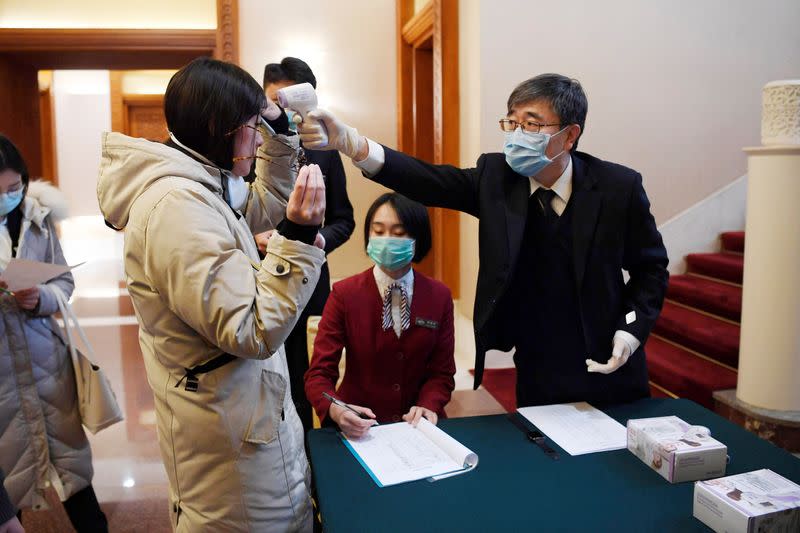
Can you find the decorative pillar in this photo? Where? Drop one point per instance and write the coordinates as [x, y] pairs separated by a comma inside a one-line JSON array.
[[769, 357], [767, 398]]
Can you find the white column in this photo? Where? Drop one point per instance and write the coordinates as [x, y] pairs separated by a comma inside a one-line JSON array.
[[769, 357]]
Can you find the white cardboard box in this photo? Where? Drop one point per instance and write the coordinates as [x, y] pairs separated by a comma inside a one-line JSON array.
[[677, 450], [748, 503]]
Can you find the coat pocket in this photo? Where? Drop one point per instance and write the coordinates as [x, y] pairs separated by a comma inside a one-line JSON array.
[[268, 411]]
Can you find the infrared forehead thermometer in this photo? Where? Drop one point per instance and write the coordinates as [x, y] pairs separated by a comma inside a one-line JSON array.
[[300, 98]]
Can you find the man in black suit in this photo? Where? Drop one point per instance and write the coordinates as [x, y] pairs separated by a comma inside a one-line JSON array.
[[557, 228], [337, 227]]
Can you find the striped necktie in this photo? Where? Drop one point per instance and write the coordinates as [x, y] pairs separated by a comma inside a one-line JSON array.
[[405, 312]]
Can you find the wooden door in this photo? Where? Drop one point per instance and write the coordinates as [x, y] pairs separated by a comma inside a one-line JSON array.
[[427, 116], [47, 132], [143, 116]]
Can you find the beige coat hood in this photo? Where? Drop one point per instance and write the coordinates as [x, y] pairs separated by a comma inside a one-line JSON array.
[[130, 165]]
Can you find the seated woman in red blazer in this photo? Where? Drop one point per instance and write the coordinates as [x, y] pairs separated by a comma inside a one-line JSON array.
[[396, 325]]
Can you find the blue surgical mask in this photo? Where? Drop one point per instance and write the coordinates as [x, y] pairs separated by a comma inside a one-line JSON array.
[[525, 152], [9, 201], [391, 253]]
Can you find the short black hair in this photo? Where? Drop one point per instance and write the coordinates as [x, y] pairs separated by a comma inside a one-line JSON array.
[[565, 95], [414, 217], [11, 159], [289, 69], [205, 101]]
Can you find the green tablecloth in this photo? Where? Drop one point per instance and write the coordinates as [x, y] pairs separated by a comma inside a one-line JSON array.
[[516, 487]]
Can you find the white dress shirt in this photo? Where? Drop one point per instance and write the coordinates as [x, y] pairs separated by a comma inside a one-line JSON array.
[[384, 281], [373, 164], [5, 244], [562, 187]]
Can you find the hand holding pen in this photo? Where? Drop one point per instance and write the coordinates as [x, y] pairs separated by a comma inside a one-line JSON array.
[[353, 420], [4, 289]]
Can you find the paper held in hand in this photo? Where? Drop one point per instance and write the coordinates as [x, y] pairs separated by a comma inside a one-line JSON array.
[[577, 427], [24, 274], [397, 453]]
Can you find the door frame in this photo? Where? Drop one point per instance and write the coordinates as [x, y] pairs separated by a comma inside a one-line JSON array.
[[435, 25], [24, 52]]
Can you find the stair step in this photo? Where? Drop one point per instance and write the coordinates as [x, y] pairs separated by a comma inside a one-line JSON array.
[[733, 241], [658, 392], [684, 374], [727, 267], [704, 334], [707, 295]]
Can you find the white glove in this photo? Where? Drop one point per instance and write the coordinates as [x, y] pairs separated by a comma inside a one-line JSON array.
[[620, 353], [272, 111], [322, 131]]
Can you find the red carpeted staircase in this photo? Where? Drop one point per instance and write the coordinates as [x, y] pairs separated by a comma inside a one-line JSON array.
[[694, 347]]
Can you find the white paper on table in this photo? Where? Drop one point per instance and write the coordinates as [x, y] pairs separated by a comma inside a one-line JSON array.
[[24, 274], [577, 427], [397, 453]]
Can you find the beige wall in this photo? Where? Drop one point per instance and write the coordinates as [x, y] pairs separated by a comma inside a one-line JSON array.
[[146, 81], [350, 45], [190, 14], [82, 113], [470, 140], [674, 87]]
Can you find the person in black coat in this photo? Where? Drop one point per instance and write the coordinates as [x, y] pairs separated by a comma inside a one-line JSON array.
[[337, 228], [557, 229]]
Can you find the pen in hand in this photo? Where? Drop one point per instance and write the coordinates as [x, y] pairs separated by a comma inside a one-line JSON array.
[[343, 405], [10, 293]]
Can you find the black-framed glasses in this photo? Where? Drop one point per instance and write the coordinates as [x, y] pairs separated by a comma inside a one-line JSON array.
[[528, 126]]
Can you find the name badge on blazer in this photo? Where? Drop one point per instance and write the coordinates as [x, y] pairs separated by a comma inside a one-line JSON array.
[[425, 323]]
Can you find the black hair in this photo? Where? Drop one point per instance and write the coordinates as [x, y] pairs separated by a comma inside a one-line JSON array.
[[11, 159], [565, 95], [208, 99], [414, 217], [289, 69]]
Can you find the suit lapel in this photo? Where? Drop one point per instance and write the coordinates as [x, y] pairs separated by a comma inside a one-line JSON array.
[[586, 202], [517, 191]]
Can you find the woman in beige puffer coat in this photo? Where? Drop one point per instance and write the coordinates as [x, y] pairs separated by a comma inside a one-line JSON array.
[[213, 316], [42, 442]]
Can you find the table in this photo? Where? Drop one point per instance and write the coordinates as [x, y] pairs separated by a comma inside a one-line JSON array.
[[516, 487]]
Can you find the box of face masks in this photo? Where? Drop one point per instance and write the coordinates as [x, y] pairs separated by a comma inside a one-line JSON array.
[[747, 503], [676, 450]]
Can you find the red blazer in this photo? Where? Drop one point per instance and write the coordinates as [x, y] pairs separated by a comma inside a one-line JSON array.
[[386, 374]]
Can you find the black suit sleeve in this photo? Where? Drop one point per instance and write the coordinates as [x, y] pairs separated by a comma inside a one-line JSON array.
[[645, 259], [7, 511], [339, 222], [432, 185]]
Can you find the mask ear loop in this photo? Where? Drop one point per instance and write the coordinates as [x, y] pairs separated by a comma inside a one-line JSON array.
[[563, 151]]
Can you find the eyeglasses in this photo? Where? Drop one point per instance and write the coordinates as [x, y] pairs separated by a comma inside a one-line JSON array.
[[529, 126], [15, 188], [300, 161], [245, 125]]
